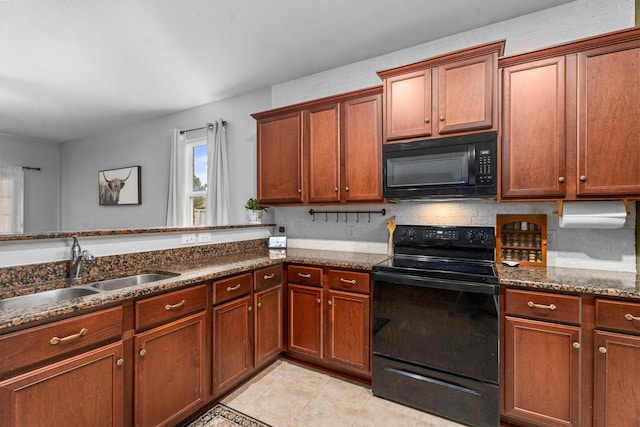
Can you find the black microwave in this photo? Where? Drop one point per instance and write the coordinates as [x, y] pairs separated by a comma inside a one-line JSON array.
[[452, 167]]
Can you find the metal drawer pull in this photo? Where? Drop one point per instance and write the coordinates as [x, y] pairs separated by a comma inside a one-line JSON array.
[[259, 304], [602, 350], [175, 306], [631, 317], [305, 276], [542, 307], [576, 345], [56, 340], [269, 276], [235, 288], [120, 362], [348, 282]]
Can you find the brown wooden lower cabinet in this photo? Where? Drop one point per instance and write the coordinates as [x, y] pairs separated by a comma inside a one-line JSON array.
[[83, 390], [542, 372], [232, 332], [329, 321], [267, 325], [170, 367]]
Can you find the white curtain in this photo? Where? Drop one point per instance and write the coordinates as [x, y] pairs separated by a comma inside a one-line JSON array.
[[177, 208], [218, 200], [11, 199]]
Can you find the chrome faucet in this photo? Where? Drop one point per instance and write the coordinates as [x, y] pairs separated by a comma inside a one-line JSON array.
[[77, 256]]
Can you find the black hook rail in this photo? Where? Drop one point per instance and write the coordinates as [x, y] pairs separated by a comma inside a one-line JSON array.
[[346, 214]]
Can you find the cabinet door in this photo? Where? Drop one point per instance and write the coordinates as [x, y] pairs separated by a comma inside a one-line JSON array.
[[362, 146], [280, 159], [542, 372], [466, 94], [617, 380], [323, 146], [608, 125], [170, 371], [408, 105], [232, 332], [85, 390], [348, 337], [268, 324], [305, 320], [533, 129]]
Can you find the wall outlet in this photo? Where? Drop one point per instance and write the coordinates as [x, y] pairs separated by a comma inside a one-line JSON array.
[[188, 239], [204, 237]]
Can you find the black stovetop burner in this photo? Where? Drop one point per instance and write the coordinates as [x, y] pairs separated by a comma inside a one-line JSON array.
[[454, 252]]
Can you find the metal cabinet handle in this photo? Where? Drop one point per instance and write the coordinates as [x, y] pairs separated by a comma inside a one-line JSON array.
[[250, 308], [602, 350], [631, 317], [143, 352], [269, 276], [235, 288], [318, 300], [576, 345], [348, 282], [170, 307], [335, 189], [346, 188], [427, 119], [120, 362], [56, 340], [542, 307], [299, 190], [304, 276], [583, 178], [329, 302], [442, 118], [561, 179], [259, 304]]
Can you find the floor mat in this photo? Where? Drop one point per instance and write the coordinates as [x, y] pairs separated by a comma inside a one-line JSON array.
[[224, 416]]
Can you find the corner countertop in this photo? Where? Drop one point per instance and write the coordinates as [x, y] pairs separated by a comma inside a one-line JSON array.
[[15, 319], [593, 282]]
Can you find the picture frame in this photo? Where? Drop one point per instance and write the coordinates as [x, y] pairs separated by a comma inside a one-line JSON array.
[[118, 187]]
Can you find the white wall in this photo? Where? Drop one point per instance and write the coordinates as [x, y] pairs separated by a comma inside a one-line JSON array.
[[595, 249], [147, 144], [41, 187]]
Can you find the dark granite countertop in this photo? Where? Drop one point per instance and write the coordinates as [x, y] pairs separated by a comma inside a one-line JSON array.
[[593, 282], [221, 266]]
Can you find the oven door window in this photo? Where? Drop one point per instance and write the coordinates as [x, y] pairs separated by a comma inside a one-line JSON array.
[[447, 330], [423, 168]]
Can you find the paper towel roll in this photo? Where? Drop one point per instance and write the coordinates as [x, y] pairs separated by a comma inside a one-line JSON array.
[[593, 214]]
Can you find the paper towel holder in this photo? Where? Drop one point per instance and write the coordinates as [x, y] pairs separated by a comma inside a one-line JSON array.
[[560, 204]]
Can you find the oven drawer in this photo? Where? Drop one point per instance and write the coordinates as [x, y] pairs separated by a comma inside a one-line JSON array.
[[304, 275], [618, 315], [349, 281], [543, 306]]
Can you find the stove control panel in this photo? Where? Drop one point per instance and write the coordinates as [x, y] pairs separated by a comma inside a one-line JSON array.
[[444, 235]]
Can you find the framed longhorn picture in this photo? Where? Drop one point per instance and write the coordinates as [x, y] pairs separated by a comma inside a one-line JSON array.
[[120, 186]]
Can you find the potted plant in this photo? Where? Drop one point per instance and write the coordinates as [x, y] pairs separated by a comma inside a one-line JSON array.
[[255, 211]]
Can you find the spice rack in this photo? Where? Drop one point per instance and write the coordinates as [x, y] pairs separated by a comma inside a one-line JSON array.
[[522, 238]]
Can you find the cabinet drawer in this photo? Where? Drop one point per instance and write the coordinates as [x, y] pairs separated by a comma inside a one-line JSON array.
[[233, 287], [544, 306], [164, 308], [349, 281], [619, 315], [267, 277], [304, 275], [34, 345]]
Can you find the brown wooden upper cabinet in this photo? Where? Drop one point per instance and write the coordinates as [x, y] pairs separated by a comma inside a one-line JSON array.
[[322, 151], [570, 120], [452, 94]]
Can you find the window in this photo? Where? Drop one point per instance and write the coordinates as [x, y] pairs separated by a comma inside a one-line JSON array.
[[197, 179], [11, 199]]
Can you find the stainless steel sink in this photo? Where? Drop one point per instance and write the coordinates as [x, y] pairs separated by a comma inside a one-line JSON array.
[[48, 297], [126, 282]]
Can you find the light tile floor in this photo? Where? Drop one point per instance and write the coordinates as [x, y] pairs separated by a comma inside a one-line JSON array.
[[288, 395]]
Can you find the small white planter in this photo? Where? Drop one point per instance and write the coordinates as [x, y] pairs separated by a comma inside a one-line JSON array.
[[255, 217]]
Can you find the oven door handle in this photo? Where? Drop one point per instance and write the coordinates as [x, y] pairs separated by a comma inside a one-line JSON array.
[[430, 282]]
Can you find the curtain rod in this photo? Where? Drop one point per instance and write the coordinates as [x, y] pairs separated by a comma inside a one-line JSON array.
[[27, 168], [182, 132]]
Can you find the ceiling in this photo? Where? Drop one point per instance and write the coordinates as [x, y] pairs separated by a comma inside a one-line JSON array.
[[73, 68]]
